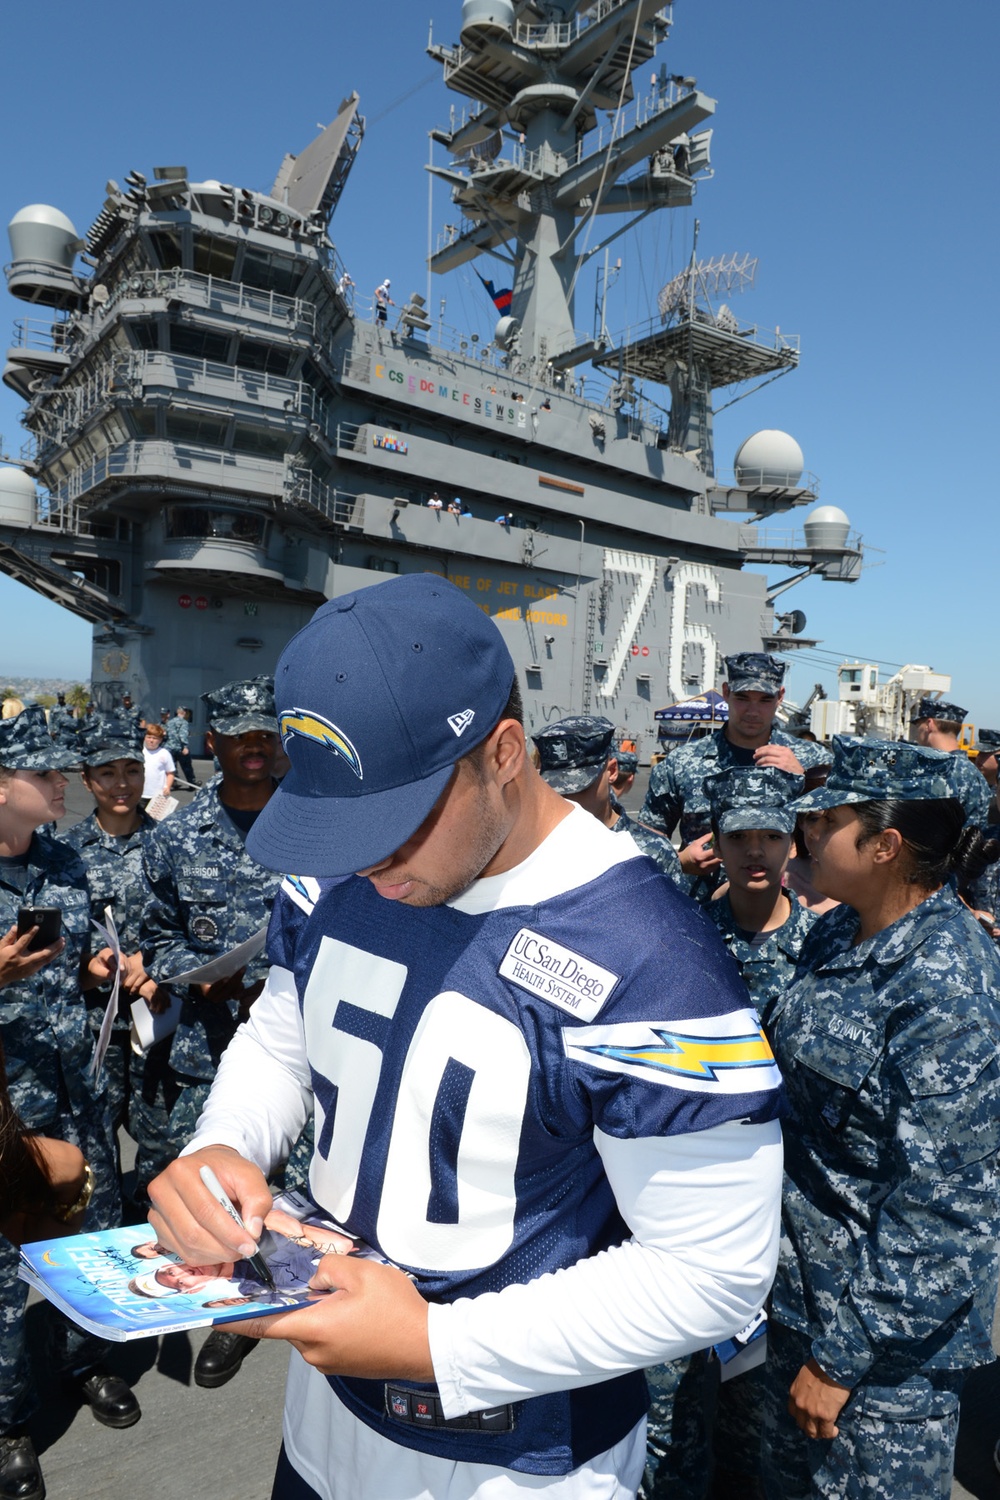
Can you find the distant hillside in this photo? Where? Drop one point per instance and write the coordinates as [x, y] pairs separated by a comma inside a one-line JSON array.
[[28, 688]]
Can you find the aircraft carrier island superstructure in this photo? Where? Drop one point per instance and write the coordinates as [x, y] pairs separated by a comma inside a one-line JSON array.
[[221, 438]]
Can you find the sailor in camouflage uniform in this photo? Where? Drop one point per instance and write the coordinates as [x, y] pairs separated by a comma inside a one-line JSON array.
[[577, 759], [888, 1042], [752, 821], [63, 724], [744, 800], [205, 896], [676, 793], [43, 1027], [938, 726], [110, 843]]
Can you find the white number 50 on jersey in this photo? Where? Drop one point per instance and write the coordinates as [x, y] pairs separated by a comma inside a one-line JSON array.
[[448, 1195]]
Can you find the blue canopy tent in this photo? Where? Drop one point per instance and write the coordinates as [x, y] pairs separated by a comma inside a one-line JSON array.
[[698, 715]]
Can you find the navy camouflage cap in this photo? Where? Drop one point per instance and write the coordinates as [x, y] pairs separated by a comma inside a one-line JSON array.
[[988, 741], [754, 672], [107, 737], [239, 707], [753, 797], [870, 770], [573, 752], [932, 708], [628, 762], [25, 744]]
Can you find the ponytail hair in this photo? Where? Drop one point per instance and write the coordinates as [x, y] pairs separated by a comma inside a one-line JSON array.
[[933, 834]]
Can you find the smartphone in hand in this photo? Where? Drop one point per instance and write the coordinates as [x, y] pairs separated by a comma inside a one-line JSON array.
[[48, 920]]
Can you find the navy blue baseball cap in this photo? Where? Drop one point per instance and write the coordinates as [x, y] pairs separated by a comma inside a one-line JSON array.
[[377, 698]]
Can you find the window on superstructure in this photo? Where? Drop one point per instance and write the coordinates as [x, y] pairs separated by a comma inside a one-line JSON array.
[[262, 357], [196, 521], [143, 421], [192, 427], [258, 440], [199, 343], [271, 273], [214, 257], [145, 334], [166, 244]]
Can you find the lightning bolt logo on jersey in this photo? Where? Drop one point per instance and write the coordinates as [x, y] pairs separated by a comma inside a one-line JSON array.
[[461, 1062], [310, 726]]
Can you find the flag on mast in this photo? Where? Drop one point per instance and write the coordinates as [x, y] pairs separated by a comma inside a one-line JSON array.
[[501, 299]]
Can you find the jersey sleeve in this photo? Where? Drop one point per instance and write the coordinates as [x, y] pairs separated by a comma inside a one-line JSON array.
[[678, 1047], [704, 1213]]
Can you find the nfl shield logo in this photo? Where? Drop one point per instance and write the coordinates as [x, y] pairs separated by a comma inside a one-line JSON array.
[[400, 1405]]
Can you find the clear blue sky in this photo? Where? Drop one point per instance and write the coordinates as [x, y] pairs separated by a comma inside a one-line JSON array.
[[855, 151]]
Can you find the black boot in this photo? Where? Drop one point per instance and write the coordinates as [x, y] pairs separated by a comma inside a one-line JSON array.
[[110, 1398], [20, 1475], [220, 1358]]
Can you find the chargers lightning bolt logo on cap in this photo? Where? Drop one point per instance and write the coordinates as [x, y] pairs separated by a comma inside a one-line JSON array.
[[314, 727]]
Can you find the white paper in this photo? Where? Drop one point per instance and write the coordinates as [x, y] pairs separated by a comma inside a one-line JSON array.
[[225, 965], [109, 932], [161, 806], [147, 1028]]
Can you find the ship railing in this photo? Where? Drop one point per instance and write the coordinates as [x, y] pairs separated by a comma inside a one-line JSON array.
[[751, 333], [42, 333], [550, 34], [642, 109], [768, 539], [158, 459], [766, 479], [303, 489], [455, 345], [563, 33], [216, 293], [292, 397]]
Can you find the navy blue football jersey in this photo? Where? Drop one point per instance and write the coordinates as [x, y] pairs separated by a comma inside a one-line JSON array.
[[461, 1062]]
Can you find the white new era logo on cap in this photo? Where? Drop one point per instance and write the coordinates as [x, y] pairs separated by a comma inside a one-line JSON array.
[[460, 722]]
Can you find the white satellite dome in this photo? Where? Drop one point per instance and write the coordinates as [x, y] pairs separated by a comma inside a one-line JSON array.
[[41, 232], [769, 457], [826, 526], [17, 497]]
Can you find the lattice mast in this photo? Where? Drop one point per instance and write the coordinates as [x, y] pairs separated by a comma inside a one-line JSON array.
[[561, 136]]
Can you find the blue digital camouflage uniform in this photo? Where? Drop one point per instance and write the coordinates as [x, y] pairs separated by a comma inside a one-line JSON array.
[[43, 1025], [114, 874], [656, 845], [679, 1449], [971, 788], [676, 791], [891, 1215], [768, 964], [63, 725], [205, 896]]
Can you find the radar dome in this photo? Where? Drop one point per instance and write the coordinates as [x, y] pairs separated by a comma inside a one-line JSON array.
[[826, 526], [769, 457], [17, 497], [483, 19], [42, 233]]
